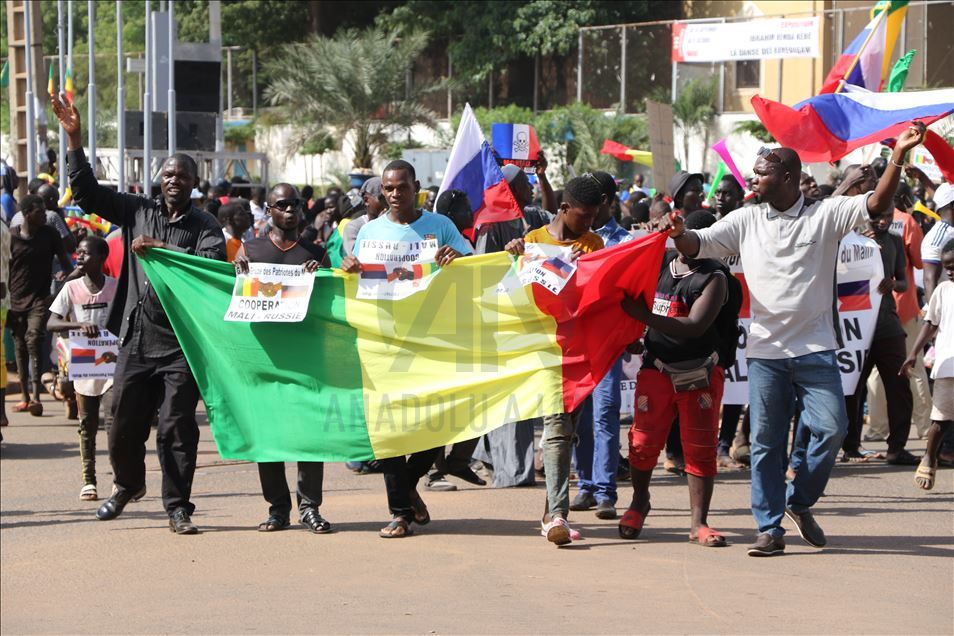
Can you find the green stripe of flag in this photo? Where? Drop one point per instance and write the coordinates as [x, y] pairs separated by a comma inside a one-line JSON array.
[[247, 379]]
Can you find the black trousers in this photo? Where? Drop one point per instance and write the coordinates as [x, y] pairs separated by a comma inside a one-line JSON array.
[[401, 475], [141, 386], [730, 426], [28, 329], [311, 476], [888, 355], [458, 459]]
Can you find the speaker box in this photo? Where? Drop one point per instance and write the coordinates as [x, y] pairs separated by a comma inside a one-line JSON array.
[[135, 134], [195, 131], [197, 86]]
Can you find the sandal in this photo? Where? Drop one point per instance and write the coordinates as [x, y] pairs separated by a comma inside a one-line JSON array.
[[708, 538], [21, 407], [88, 493], [632, 523], [924, 476], [274, 523], [421, 516], [315, 522], [397, 529]]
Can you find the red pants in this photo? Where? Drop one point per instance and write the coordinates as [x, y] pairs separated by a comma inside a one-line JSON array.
[[658, 404]]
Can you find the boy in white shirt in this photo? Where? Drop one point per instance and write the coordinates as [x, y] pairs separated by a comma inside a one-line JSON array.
[[939, 321], [83, 305]]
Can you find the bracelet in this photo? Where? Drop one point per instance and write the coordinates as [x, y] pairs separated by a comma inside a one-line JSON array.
[[899, 165]]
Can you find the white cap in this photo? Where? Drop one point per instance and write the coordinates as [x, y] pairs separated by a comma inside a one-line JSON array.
[[510, 172], [944, 195]]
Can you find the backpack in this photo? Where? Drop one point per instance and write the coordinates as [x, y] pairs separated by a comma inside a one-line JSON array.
[[727, 322]]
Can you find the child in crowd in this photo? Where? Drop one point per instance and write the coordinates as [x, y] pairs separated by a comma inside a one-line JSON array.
[[939, 321], [83, 305]]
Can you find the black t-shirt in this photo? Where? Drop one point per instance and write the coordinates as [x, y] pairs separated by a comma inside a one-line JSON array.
[[264, 250], [892, 255], [31, 266], [675, 295]]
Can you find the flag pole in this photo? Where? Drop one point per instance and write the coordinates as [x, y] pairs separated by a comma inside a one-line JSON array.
[[864, 45]]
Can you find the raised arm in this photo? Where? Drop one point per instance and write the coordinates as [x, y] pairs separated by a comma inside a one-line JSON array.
[[93, 198], [883, 197], [550, 203]]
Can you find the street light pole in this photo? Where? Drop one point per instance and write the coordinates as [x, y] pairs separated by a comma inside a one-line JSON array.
[[171, 111], [120, 100], [91, 89]]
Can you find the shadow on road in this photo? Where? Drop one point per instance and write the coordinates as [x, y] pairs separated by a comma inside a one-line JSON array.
[[54, 450]]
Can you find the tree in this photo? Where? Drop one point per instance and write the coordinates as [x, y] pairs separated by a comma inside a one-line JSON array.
[[694, 110], [755, 128], [354, 83]]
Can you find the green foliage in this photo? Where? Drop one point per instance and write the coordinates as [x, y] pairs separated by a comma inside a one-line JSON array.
[[350, 83], [695, 110], [241, 134], [394, 149], [756, 129]]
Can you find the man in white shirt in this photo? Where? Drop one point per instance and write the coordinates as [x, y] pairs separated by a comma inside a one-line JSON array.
[[788, 246], [936, 238]]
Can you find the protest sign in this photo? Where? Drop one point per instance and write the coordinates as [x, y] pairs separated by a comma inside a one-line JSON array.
[[271, 293], [858, 273], [750, 40], [551, 266], [93, 358], [392, 270], [515, 144], [659, 117]]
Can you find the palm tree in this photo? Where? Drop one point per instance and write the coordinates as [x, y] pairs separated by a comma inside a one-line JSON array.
[[694, 109], [353, 83]]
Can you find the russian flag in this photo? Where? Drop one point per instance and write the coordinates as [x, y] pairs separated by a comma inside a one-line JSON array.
[[473, 168], [83, 356], [558, 266], [373, 271], [515, 144], [827, 127], [867, 59], [854, 296]]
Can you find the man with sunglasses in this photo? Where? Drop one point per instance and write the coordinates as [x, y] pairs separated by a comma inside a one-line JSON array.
[[788, 247], [152, 373]]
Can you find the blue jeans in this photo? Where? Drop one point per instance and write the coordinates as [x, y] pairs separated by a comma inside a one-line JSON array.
[[597, 451], [774, 385]]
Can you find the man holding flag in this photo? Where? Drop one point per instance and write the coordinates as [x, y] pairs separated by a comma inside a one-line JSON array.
[[788, 247]]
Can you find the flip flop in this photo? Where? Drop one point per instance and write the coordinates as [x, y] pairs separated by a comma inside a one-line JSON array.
[[924, 477], [708, 538], [21, 407], [632, 523], [397, 529], [421, 516], [274, 523]]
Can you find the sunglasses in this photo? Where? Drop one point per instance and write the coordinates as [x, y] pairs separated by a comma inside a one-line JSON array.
[[769, 155], [285, 204]]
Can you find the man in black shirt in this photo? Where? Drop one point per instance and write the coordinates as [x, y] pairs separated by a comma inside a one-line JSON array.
[[151, 373], [888, 352], [682, 337], [33, 246], [282, 245]]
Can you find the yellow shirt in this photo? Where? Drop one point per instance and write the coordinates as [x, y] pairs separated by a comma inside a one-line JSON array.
[[589, 242]]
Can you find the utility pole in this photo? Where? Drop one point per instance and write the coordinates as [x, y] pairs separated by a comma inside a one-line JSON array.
[[147, 110], [171, 106], [61, 41], [91, 89], [120, 100]]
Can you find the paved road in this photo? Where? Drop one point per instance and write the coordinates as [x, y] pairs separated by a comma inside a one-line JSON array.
[[479, 567]]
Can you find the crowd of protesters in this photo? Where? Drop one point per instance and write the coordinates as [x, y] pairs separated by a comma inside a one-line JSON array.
[[783, 226]]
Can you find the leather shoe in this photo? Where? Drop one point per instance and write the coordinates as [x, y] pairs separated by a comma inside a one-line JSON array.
[[583, 501], [114, 505], [766, 545], [180, 523], [809, 530], [467, 475]]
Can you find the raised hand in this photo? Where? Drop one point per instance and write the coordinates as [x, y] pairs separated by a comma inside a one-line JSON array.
[[911, 137], [67, 114]]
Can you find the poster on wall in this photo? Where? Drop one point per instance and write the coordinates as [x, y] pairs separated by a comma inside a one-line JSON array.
[[750, 40]]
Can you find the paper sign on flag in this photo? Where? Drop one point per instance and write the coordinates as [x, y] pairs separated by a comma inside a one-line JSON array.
[[93, 358], [392, 270], [551, 266], [515, 144], [271, 293]]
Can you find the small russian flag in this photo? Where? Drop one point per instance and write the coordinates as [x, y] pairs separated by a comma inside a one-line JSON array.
[[373, 271], [83, 356], [558, 266], [854, 296]]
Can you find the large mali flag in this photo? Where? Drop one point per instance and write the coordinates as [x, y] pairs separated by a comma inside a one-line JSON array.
[[369, 379]]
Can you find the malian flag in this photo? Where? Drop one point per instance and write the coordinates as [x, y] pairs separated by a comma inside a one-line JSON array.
[[50, 86], [473, 169], [827, 127], [83, 356], [515, 144], [854, 295], [246, 287], [68, 89], [867, 60]]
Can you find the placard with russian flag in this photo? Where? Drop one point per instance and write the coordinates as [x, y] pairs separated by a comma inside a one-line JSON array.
[[271, 293], [857, 275], [473, 169], [515, 144], [92, 358]]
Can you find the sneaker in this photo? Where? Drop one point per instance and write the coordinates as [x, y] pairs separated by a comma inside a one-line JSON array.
[[808, 528], [557, 531], [606, 510], [873, 437], [583, 501], [767, 545], [439, 483]]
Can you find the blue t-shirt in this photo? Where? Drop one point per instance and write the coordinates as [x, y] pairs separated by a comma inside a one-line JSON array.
[[428, 226]]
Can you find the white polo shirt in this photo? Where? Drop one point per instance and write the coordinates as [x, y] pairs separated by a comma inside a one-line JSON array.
[[789, 260]]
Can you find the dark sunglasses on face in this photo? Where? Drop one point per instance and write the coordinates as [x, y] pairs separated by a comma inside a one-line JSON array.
[[284, 204], [769, 155]]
